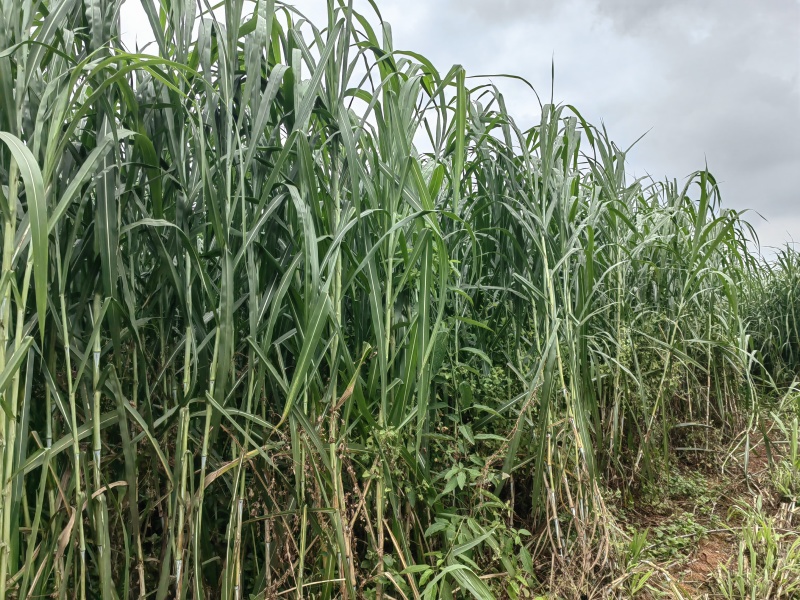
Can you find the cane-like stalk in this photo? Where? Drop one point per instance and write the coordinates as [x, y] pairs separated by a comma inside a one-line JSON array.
[[350, 328]]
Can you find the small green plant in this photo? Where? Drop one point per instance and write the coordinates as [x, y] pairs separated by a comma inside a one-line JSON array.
[[786, 477], [674, 539], [637, 573], [767, 561]]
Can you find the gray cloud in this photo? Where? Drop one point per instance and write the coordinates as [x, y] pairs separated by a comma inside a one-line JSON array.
[[732, 94], [715, 80]]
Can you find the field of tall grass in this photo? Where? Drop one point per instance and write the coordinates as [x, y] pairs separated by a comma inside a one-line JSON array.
[[288, 313]]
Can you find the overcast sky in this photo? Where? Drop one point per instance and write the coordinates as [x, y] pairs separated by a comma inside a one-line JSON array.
[[709, 80]]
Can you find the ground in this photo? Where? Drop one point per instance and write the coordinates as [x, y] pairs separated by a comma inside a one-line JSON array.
[[719, 523]]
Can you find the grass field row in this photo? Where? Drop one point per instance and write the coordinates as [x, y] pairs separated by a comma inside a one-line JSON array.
[[286, 312]]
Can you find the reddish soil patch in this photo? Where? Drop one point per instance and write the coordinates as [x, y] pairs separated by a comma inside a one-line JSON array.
[[712, 551]]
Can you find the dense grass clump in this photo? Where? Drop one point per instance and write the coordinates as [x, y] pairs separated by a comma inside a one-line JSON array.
[[286, 311], [773, 311]]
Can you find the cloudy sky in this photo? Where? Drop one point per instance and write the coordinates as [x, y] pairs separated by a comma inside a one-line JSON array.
[[714, 81]]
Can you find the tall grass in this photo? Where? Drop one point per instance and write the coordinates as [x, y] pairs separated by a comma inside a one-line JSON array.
[[256, 343], [773, 312]]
